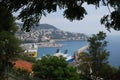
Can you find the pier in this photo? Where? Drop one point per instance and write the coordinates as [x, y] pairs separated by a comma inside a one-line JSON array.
[[82, 49], [76, 54]]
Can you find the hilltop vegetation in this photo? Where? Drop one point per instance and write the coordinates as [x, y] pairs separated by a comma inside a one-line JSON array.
[[46, 32]]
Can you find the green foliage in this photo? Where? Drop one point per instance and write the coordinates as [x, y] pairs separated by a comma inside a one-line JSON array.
[[117, 74], [32, 10], [84, 67], [108, 72], [20, 74], [54, 68], [97, 52], [9, 44], [112, 21], [6, 20], [9, 48], [75, 13], [26, 58], [95, 61]]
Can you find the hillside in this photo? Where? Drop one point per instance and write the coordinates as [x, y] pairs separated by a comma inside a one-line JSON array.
[[46, 32]]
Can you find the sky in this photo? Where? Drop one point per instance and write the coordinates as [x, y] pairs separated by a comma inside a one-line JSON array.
[[89, 25]]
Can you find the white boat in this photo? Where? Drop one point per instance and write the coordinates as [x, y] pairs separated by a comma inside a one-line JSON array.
[[31, 50], [66, 56]]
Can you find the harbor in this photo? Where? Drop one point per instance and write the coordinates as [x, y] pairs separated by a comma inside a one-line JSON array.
[[45, 48], [37, 51]]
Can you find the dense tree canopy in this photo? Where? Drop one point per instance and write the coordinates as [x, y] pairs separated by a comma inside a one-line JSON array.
[[54, 68], [9, 44], [31, 11], [98, 53], [94, 62]]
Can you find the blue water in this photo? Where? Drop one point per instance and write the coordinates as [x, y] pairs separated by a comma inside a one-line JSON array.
[[114, 48], [72, 46]]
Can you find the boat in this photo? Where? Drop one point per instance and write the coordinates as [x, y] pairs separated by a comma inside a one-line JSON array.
[[31, 50], [67, 57]]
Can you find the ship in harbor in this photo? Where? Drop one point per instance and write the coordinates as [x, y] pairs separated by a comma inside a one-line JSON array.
[[67, 57], [30, 50]]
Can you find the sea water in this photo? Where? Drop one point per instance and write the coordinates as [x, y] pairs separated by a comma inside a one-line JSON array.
[[114, 49], [72, 46]]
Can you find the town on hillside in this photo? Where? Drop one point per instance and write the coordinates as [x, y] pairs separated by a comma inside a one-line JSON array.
[[46, 33]]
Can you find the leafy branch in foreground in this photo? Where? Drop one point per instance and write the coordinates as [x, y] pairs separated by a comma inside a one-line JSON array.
[[31, 11]]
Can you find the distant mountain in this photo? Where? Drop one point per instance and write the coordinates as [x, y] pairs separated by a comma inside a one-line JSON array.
[[39, 26], [44, 26], [47, 32]]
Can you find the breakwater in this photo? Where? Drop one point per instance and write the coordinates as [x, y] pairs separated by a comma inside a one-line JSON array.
[[82, 49], [79, 51]]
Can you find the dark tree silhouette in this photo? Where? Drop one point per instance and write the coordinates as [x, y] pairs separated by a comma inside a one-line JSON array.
[[31, 11], [9, 44]]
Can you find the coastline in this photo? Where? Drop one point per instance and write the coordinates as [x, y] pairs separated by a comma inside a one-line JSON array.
[[48, 44], [55, 43]]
